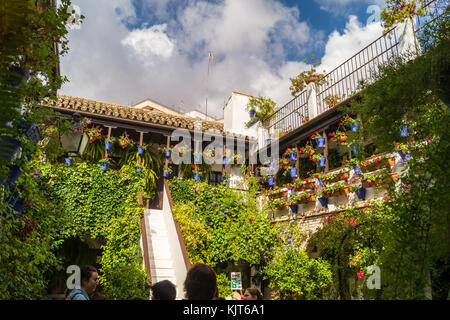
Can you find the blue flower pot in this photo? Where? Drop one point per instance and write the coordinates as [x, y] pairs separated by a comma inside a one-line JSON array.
[[140, 150], [405, 156], [354, 126], [270, 181], [294, 208], [323, 201], [320, 142], [196, 176], [19, 75], [197, 158], [167, 153], [293, 172], [14, 174], [224, 178], [271, 166], [322, 161], [224, 160], [108, 145], [357, 169], [252, 113], [69, 161], [404, 130], [138, 169], [293, 156], [361, 193], [105, 166], [355, 147], [166, 173], [292, 190], [320, 181], [268, 141]]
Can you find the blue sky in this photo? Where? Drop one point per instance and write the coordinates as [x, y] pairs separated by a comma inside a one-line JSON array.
[[129, 50]]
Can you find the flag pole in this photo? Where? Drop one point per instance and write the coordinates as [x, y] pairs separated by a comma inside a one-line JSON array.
[[210, 56]]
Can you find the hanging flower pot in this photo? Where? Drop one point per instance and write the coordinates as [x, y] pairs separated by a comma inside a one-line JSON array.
[[224, 178], [405, 156], [268, 141], [320, 142], [361, 193], [108, 145], [197, 158], [252, 113], [293, 156], [271, 166], [270, 181], [354, 125], [293, 172], [196, 176], [322, 161], [69, 161], [166, 173], [285, 162], [342, 138], [294, 208], [355, 147], [404, 130], [323, 201], [104, 165], [167, 153], [140, 150], [320, 181], [357, 169], [138, 169], [224, 160], [310, 152]]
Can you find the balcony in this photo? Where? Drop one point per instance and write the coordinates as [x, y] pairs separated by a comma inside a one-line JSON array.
[[345, 80]]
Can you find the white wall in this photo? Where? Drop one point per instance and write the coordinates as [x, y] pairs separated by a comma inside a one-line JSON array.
[[235, 116]]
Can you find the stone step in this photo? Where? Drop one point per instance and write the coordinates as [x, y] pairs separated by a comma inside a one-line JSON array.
[[163, 263], [163, 272]]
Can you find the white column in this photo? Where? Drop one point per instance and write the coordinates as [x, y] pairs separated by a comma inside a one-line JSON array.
[[408, 43], [311, 93]]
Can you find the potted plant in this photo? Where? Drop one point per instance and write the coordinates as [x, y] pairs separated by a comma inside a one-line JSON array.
[[308, 150], [69, 161], [304, 197], [104, 163], [298, 84], [109, 142], [294, 207], [141, 148], [167, 151], [264, 108], [166, 171], [404, 130], [196, 172], [210, 153], [94, 134], [403, 151], [182, 149], [340, 136], [124, 140], [352, 123], [292, 153], [320, 140], [284, 161], [319, 158], [332, 100], [197, 157]]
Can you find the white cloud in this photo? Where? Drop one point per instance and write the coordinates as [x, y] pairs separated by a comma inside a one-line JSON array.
[[250, 41], [150, 42]]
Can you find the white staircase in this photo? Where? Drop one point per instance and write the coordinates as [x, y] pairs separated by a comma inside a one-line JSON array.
[[164, 249]]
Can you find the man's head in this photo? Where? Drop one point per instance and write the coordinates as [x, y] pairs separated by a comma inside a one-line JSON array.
[[164, 290], [89, 279], [200, 283]]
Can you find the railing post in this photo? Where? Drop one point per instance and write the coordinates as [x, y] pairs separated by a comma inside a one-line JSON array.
[[408, 43], [311, 95]]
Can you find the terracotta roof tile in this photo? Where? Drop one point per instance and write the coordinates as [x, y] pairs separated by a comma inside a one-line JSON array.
[[125, 112]]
